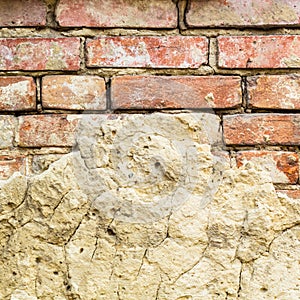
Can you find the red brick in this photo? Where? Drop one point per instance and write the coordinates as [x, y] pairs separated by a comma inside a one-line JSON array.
[[22, 13], [263, 129], [74, 92], [117, 13], [40, 54], [277, 92], [242, 13], [142, 92], [9, 164], [147, 52], [17, 93], [7, 131], [283, 166], [47, 130], [272, 51], [293, 194]]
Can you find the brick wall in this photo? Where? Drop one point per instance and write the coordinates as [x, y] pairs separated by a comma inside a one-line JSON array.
[[240, 59], [76, 229]]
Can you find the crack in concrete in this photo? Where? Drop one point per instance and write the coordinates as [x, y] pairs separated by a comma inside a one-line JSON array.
[[95, 249], [158, 288], [142, 262], [240, 281]]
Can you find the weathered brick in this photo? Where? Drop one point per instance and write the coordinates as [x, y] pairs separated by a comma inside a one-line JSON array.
[[22, 13], [7, 131], [147, 52], [46, 130], [272, 51], [277, 91], [9, 164], [142, 92], [293, 194], [74, 92], [264, 129], [242, 13], [117, 13], [282, 166], [17, 93], [40, 54]]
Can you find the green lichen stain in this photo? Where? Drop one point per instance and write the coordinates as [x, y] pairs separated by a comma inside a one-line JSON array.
[[291, 62], [23, 51], [56, 60]]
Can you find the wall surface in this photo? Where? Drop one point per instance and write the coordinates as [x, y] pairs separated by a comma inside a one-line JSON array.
[[149, 149]]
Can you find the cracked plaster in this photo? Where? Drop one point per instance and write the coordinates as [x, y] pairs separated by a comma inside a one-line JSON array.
[[57, 244]]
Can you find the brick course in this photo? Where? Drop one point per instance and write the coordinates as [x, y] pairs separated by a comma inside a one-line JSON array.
[[282, 166], [17, 93], [40, 54], [22, 13], [74, 92], [262, 129], [9, 164], [243, 13], [150, 92], [274, 92], [248, 52], [7, 132], [147, 52], [117, 13], [47, 130]]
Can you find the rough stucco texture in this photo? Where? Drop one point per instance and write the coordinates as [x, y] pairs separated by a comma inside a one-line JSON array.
[[149, 150], [145, 207]]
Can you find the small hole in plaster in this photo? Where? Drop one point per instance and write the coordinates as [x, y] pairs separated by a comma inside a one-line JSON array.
[[110, 231]]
